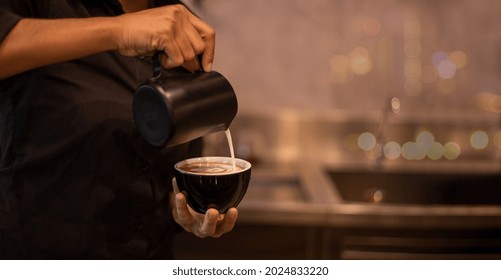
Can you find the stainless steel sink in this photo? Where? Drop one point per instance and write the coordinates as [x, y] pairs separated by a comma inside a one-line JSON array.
[[273, 189], [308, 173], [275, 185], [419, 188]]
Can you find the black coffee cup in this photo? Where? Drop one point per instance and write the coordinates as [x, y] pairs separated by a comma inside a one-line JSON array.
[[178, 106], [211, 182]]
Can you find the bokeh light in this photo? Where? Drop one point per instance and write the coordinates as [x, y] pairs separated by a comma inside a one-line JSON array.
[[497, 139], [446, 69], [452, 150], [340, 69], [438, 57], [459, 58], [392, 150], [343, 67], [488, 101], [360, 62], [395, 105], [425, 140], [436, 151], [479, 140], [446, 64], [410, 151], [372, 26], [366, 141]]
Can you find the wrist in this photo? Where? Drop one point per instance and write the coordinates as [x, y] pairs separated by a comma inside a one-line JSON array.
[[111, 32]]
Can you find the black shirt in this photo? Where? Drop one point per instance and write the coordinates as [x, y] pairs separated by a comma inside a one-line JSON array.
[[76, 179]]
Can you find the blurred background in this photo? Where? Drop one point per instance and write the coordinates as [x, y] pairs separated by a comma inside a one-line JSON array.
[[374, 128]]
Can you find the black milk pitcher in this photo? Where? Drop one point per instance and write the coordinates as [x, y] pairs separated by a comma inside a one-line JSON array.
[[178, 106]]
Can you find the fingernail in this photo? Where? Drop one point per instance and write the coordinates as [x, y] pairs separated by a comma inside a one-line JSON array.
[[232, 214], [211, 215], [179, 198], [209, 67], [170, 63]]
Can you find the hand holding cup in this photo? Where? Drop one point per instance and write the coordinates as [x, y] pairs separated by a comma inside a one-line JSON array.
[[210, 224]]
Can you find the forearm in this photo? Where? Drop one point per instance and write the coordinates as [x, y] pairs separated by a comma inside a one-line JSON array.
[[34, 43], [172, 29]]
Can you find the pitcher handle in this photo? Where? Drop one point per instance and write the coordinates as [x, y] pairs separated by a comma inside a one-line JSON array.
[[158, 69]]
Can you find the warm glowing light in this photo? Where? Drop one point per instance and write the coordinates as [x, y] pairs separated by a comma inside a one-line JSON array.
[[489, 101], [392, 150], [366, 141], [410, 151], [395, 105], [497, 139], [459, 58], [372, 26], [340, 69], [368, 25], [479, 140], [452, 150], [446, 69], [425, 140], [436, 151], [377, 196], [360, 62], [438, 57]]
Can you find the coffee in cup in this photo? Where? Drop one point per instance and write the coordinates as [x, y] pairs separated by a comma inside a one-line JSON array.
[[213, 182]]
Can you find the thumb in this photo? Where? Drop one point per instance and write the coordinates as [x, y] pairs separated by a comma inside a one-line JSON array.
[[174, 185]]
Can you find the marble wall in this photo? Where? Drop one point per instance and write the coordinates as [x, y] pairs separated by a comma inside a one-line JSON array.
[[349, 55]]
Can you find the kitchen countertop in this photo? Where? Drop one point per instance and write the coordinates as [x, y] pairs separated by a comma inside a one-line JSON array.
[[304, 195]]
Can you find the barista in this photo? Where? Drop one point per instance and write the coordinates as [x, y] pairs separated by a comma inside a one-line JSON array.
[[76, 179]]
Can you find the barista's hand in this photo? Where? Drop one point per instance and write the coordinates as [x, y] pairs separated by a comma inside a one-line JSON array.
[[171, 29], [212, 224]]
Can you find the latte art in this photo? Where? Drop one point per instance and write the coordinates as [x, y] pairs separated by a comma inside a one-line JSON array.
[[210, 168], [212, 182]]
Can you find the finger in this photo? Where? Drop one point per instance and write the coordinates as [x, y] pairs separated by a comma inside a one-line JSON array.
[[182, 214], [192, 65], [210, 222], [209, 37], [174, 185], [197, 47], [207, 60], [172, 199], [228, 223], [173, 56], [184, 45], [195, 38]]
